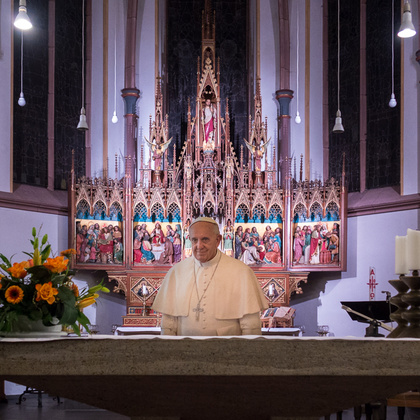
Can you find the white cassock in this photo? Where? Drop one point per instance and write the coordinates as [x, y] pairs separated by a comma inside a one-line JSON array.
[[229, 296]]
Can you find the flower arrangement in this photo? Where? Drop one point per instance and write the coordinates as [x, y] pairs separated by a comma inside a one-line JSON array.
[[41, 289]]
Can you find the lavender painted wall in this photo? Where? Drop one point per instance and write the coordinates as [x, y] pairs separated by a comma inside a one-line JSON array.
[[5, 93]]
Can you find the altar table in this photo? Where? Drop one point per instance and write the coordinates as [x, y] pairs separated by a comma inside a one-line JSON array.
[[215, 377]]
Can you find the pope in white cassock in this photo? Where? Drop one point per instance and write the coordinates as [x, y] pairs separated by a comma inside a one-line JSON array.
[[210, 293]]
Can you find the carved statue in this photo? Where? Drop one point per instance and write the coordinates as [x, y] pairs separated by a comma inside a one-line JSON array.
[[258, 148], [209, 125], [158, 145]]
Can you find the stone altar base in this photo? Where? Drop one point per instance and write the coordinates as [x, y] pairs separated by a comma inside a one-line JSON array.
[[215, 378]]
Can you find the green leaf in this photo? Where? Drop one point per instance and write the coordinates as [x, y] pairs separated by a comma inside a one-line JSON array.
[[68, 310], [5, 260], [45, 252], [84, 320], [36, 243], [39, 272], [76, 329]]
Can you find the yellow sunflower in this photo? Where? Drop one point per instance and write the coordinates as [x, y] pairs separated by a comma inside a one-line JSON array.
[[14, 294]]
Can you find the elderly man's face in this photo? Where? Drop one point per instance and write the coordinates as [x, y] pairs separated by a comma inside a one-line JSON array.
[[205, 240]]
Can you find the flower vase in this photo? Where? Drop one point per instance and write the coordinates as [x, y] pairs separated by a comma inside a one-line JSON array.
[[26, 328]]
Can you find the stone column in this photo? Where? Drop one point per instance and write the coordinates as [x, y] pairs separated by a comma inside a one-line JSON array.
[[283, 96], [130, 96]]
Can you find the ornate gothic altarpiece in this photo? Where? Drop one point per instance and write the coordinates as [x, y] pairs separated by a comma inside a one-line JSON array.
[[136, 230]]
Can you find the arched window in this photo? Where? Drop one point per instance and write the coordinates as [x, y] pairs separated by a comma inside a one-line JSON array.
[[242, 214], [83, 210], [99, 211], [174, 213], [115, 212], [157, 212], [258, 213], [275, 214], [140, 213]]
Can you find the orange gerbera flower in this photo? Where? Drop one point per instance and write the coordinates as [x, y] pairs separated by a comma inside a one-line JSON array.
[[57, 264], [68, 252], [46, 292], [18, 270], [14, 294]]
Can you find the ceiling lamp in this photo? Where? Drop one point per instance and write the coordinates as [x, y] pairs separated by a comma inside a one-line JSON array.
[[338, 126], [392, 102], [407, 28], [22, 20], [82, 122]]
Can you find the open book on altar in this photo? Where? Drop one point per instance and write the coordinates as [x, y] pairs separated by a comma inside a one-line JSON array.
[[278, 317]]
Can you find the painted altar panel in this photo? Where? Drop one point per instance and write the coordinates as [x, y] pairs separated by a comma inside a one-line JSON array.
[[318, 226], [259, 243], [157, 243]]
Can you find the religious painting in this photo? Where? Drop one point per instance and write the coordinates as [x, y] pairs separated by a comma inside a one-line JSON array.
[[157, 243], [316, 243], [316, 236], [99, 242], [258, 243]]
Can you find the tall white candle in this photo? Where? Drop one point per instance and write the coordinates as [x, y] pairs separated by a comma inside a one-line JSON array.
[[401, 255], [144, 290], [271, 290], [413, 249]]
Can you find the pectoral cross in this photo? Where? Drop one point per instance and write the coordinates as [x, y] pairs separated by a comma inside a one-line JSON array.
[[197, 311]]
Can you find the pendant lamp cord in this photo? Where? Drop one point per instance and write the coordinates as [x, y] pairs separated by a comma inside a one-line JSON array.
[[297, 58], [83, 53], [21, 61], [115, 62], [392, 46], [338, 57]]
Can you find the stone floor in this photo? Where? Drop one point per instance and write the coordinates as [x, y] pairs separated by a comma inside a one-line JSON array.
[[71, 410], [52, 410]]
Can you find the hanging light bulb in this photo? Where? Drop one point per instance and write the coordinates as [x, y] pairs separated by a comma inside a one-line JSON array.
[[22, 20], [338, 126], [407, 28], [114, 117], [298, 120], [21, 100], [82, 120]]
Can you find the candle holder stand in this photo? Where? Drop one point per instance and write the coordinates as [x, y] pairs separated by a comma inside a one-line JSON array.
[[412, 298], [396, 300]]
